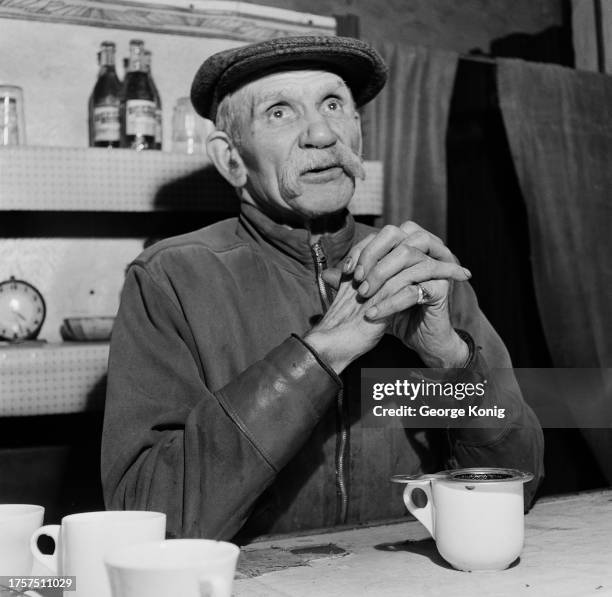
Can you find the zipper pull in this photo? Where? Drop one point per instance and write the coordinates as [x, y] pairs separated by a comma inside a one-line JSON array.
[[319, 255]]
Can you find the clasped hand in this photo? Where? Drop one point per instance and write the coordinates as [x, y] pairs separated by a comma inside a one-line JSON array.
[[377, 293]]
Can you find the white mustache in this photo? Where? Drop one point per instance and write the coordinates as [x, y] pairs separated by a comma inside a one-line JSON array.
[[339, 155]]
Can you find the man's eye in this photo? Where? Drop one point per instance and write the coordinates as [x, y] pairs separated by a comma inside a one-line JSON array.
[[333, 105], [277, 112]]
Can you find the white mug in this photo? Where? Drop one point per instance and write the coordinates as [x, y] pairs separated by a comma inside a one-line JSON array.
[[475, 515], [17, 523], [82, 540], [185, 567]]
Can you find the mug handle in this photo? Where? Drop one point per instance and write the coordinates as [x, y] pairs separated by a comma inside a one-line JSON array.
[[50, 561], [424, 514]]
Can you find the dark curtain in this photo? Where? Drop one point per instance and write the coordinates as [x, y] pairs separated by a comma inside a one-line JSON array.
[[405, 128], [559, 126]]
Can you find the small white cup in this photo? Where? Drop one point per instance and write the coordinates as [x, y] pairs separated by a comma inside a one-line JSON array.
[[82, 540], [185, 567], [475, 515], [17, 523]]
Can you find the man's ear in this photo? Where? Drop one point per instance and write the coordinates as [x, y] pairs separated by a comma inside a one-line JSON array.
[[226, 159]]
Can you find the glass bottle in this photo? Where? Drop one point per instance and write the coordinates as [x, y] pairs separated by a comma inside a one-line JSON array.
[[138, 107], [158, 104], [104, 130]]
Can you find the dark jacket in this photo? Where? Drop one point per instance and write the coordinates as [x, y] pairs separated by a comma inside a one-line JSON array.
[[217, 415]]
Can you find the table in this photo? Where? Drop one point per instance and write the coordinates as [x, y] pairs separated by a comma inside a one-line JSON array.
[[567, 553]]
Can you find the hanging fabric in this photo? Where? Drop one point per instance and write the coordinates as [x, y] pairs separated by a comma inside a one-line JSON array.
[[405, 128], [559, 126]]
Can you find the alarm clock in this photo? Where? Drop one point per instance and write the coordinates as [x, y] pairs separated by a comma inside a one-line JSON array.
[[22, 310]]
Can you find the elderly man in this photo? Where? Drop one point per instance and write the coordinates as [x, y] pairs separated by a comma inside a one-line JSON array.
[[233, 390]]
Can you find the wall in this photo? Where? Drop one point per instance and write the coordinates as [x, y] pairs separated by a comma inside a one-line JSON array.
[[459, 25]]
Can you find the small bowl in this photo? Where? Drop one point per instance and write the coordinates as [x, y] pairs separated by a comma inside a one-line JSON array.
[[87, 329]]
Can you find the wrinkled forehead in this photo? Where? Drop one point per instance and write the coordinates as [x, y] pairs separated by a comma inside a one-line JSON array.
[[298, 84]]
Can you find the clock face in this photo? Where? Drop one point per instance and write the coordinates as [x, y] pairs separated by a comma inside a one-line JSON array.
[[22, 310]]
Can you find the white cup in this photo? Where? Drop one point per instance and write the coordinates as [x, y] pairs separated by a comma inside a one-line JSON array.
[[17, 523], [82, 540], [475, 515], [185, 567]]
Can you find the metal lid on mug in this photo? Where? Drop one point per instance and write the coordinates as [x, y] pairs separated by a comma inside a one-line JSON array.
[[473, 475]]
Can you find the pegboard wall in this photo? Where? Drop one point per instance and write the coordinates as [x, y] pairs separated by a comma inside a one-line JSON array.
[[74, 179], [52, 379], [69, 179]]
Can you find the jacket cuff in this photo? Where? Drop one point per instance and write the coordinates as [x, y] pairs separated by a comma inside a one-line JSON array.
[[502, 392], [319, 360], [278, 401], [467, 338]]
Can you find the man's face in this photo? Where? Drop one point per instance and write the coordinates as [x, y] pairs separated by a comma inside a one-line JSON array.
[[300, 141]]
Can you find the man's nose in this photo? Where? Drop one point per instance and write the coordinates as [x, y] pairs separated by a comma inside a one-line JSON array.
[[317, 133]]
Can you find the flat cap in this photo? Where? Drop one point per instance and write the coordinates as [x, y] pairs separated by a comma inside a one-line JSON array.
[[358, 63]]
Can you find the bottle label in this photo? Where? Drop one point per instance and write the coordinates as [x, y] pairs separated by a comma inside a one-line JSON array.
[[140, 118], [106, 123]]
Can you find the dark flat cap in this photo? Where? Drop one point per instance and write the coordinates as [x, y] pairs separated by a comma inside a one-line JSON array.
[[358, 63]]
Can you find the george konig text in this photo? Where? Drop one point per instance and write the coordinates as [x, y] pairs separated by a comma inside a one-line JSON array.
[[429, 411]]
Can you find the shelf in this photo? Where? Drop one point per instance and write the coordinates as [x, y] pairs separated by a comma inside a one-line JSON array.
[[48, 379], [226, 19], [122, 180]]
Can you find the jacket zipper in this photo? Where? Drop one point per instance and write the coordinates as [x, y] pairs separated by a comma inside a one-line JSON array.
[[320, 262]]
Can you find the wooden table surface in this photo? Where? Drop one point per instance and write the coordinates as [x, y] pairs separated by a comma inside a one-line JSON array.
[[567, 553]]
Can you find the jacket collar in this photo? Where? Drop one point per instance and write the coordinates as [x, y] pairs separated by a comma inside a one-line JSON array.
[[291, 247]]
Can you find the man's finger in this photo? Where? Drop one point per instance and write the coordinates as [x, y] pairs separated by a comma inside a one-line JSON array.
[[401, 258], [403, 299], [410, 228], [350, 261], [430, 245], [405, 279], [386, 240], [427, 242], [407, 265], [332, 277]]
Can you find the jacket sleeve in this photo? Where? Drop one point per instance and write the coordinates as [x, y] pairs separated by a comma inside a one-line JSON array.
[[171, 444], [517, 441]]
